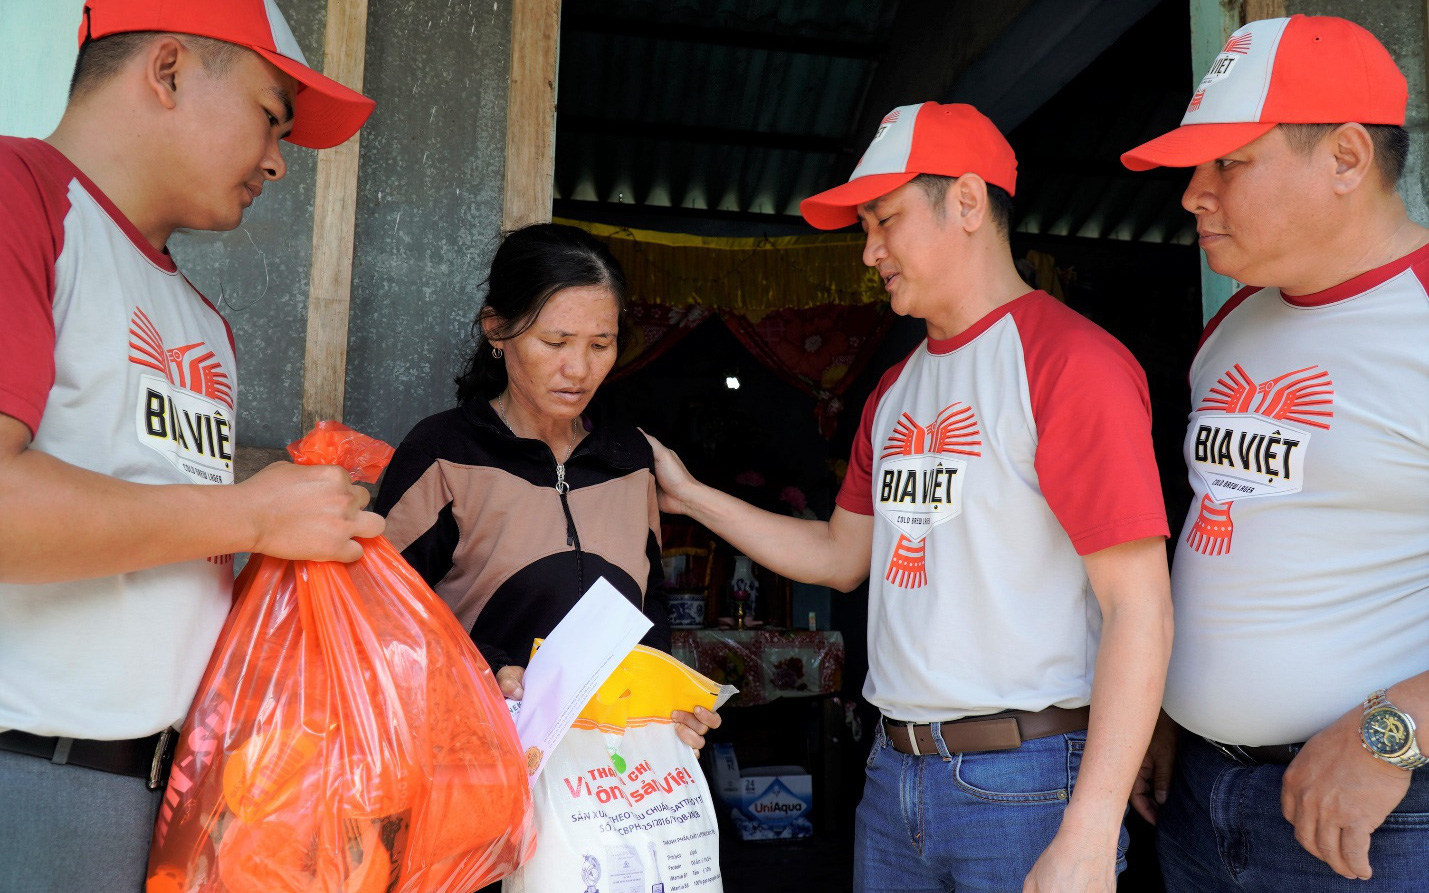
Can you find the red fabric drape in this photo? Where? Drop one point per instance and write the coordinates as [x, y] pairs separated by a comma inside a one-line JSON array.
[[652, 329], [819, 350]]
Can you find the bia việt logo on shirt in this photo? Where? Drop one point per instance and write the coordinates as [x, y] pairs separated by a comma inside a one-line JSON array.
[[185, 412], [1249, 440], [920, 484]]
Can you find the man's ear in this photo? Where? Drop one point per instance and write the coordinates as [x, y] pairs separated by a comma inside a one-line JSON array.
[[968, 200], [163, 60], [1352, 148]]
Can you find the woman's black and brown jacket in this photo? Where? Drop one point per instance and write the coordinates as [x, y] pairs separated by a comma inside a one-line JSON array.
[[476, 511]]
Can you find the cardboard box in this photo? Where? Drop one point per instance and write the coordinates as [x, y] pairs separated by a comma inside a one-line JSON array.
[[775, 803]]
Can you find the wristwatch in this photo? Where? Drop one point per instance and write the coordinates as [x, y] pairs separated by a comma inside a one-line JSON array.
[[1388, 733]]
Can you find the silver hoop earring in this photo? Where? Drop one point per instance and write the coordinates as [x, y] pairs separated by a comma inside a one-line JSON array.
[[497, 352]]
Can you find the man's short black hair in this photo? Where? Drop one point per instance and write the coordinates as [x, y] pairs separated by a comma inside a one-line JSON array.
[[935, 187], [99, 60], [1391, 145]]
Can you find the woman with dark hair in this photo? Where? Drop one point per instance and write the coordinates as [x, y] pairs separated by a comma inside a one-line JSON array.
[[513, 503]]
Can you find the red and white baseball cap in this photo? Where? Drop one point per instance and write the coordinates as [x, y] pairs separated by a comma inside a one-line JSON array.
[[325, 113], [1300, 70], [947, 140]]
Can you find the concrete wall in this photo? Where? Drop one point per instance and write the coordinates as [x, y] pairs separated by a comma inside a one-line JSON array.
[[428, 216], [428, 211]]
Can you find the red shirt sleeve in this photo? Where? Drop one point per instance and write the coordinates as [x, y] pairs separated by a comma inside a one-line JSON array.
[[1095, 462], [31, 236]]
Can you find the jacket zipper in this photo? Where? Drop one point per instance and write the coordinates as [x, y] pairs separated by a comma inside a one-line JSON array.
[[572, 538]]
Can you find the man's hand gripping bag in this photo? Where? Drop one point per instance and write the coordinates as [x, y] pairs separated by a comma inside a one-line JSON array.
[[347, 736], [622, 806]]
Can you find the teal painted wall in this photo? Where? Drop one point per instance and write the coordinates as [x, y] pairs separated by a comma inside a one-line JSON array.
[[37, 50]]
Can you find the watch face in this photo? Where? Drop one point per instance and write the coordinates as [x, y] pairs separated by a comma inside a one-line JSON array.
[[1385, 731]]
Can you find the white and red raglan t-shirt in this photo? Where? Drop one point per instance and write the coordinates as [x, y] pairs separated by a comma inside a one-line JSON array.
[[117, 365], [991, 463], [1301, 579]]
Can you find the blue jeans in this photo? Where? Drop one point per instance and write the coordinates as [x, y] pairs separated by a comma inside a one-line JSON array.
[[962, 822], [1222, 829]]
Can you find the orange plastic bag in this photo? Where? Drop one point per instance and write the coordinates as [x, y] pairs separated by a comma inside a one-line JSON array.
[[347, 736]]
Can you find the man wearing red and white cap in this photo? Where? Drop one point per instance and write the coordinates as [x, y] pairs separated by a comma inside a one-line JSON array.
[[1301, 579], [1003, 502], [117, 418]]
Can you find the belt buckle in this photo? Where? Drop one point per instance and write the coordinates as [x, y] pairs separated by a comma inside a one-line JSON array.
[[163, 758], [1232, 752]]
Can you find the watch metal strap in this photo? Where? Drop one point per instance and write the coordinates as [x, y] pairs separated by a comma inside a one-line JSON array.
[[1412, 757]]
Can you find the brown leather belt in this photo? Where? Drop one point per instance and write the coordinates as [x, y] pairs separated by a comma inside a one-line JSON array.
[[993, 731], [146, 758]]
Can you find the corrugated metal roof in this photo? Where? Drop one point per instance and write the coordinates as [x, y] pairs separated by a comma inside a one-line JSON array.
[[736, 105], [741, 108]]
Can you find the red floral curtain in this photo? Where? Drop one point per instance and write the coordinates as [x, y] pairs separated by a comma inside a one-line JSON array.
[[653, 329], [819, 350]]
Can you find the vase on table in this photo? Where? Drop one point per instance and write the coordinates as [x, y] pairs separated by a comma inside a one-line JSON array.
[[687, 608], [743, 589]]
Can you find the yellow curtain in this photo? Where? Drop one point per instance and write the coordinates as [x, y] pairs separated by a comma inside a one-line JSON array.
[[749, 276]]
